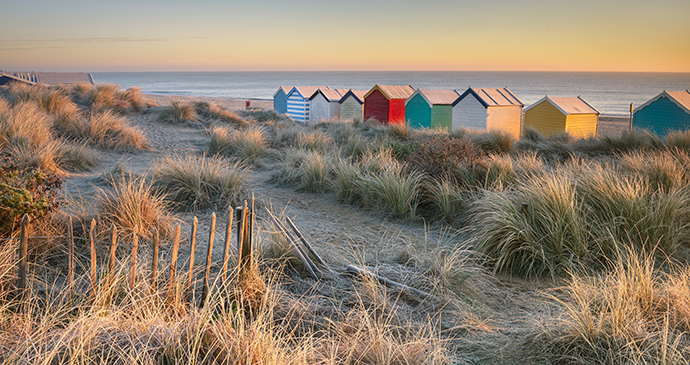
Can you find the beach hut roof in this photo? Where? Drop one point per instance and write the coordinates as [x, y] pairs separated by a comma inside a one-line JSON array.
[[680, 98], [491, 97], [357, 94], [60, 78], [330, 94], [568, 105], [285, 89], [436, 97], [307, 91], [393, 91]]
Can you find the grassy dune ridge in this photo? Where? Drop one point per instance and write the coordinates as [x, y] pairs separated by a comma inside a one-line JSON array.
[[549, 250]]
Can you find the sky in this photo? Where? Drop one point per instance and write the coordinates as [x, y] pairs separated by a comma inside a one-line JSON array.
[[358, 35]]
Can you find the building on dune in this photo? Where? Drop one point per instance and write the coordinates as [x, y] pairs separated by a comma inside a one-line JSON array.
[[488, 109], [553, 115], [666, 112], [6, 79], [52, 78], [299, 103], [325, 104], [430, 108], [352, 105], [280, 99], [386, 103]]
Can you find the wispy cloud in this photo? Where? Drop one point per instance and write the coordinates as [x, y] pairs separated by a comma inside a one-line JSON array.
[[83, 40]]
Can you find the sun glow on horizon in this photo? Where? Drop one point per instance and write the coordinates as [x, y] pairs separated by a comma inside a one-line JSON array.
[[533, 35]]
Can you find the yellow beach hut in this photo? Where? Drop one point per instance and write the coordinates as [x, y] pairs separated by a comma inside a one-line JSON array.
[[553, 115]]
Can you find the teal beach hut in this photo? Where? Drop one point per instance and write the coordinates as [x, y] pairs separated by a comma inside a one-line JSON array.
[[280, 99], [431, 108], [666, 112]]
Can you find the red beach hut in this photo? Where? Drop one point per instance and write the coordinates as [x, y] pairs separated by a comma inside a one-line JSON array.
[[386, 103]]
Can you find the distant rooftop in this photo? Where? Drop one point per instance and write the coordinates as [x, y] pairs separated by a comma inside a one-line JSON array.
[[52, 78]]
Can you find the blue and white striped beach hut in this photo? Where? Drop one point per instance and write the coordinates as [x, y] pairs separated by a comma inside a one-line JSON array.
[[298, 103], [280, 99]]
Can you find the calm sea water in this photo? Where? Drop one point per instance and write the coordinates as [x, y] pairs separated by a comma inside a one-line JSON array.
[[610, 93]]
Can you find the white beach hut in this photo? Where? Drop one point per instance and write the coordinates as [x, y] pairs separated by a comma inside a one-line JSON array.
[[325, 104], [487, 109]]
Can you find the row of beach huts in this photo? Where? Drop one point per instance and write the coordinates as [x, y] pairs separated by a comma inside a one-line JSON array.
[[481, 109]]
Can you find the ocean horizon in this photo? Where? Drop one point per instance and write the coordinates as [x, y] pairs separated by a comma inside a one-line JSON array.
[[609, 92]]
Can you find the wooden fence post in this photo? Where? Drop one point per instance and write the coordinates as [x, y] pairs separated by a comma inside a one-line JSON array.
[[173, 263], [209, 254], [135, 247], [192, 250], [226, 251], [23, 252], [94, 278], [113, 247], [154, 260], [70, 262]]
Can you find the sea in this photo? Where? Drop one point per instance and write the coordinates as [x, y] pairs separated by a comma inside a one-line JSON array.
[[609, 92]]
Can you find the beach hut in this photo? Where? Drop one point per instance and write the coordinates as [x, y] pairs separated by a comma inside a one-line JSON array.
[[666, 112], [562, 114], [325, 104], [280, 99], [6, 79], [386, 103], [430, 108], [487, 109], [352, 105], [298, 103]]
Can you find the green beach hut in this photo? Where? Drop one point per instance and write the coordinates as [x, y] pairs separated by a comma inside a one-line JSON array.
[[431, 109], [666, 112]]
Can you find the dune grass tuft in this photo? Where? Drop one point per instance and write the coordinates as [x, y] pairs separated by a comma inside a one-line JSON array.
[[245, 144], [132, 201], [201, 182], [178, 113], [636, 313], [105, 130]]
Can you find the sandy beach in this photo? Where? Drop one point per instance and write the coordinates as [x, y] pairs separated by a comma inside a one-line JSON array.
[[228, 103]]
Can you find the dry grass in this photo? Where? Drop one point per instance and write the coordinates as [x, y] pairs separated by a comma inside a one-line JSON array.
[[105, 130], [636, 313], [131, 202], [244, 144], [178, 113], [201, 182]]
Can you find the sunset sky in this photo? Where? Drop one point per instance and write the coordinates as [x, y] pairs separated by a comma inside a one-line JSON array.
[[172, 35]]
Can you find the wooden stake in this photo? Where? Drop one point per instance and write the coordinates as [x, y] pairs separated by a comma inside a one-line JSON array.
[[94, 278], [192, 250], [209, 253], [113, 247], [226, 251], [154, 260], [245, 246], [70, 260], [422, 294], [23, 252], [304, 241], [311, 267], [135, 247], [173, 263]]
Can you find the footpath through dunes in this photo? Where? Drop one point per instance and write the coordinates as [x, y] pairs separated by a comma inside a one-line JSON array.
[[479, 325]]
